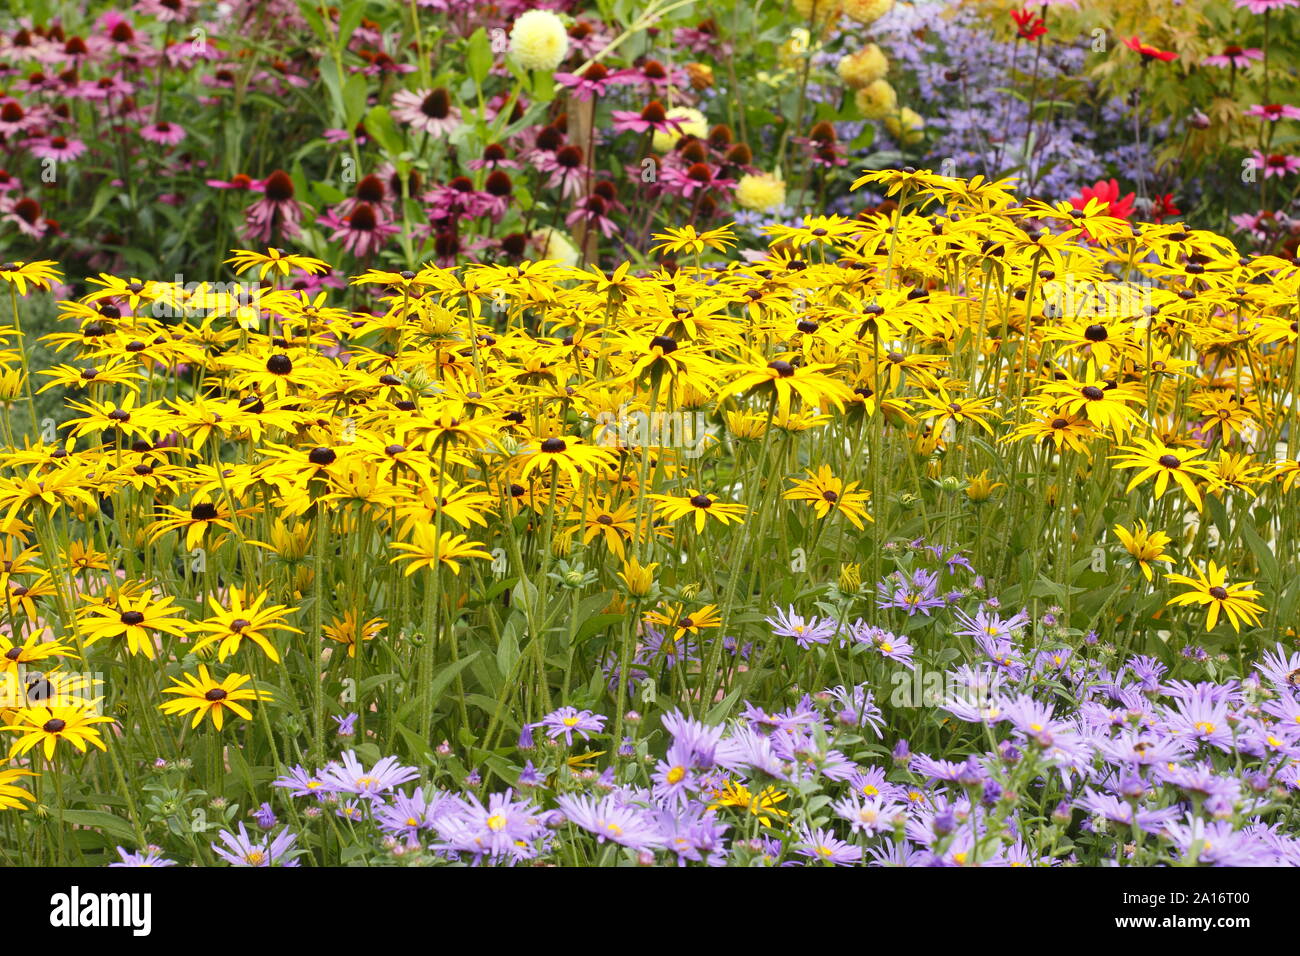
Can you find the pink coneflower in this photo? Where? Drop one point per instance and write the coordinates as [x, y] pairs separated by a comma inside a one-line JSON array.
[[240, 182], [103, 88], [595, 80], [363, 232], [277, 210], [458, 199], [1257, 224], [166, 11], [1263, 6], [1276, 164], [163, 133], [592, 212], [1273, 111], [429, 111], [653, 117], [15, 119], [8, 181], [653, 75], [494, 157], [1235, 56], [26, 215], [702, 38], [57, 148], [587, 38], [370, 191], [686, 181], [566, 168]]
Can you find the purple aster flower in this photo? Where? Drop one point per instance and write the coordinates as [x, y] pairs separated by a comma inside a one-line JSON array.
[[566, 721], [264, 816], [242, 850], [694, 833], [149, 856], [505, 828], [857, 708], [530, 776], [825, 847], [869, 815], [351, 777], [347, 725], [914, 594], [805, 633], [623, 824], [408, 815], [745, 749], [300, 783]]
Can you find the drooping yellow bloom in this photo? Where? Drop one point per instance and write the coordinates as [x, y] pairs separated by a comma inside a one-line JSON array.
[[429, 550], [1145, 546], [274, 259], [824, 492]]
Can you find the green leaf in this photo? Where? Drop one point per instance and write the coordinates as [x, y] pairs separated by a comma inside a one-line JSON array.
[[446, 676], [719, 712], [478, 56], [1262, 552], [354, 100], [111, 825]]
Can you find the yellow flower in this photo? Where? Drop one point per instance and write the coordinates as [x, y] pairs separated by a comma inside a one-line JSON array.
[[876, 100], [691, 122], [204, 695], [764, 805], [699, 506], [864, 67], [866, 11], [1145, 546], [980, 488], [346, 630], [1210, 588], [12, 795], [274, 259], [243, 620], [686, 239], [761, 192], [538, 40], [72, 722], [1165, 463], [824, 492], [429, 550], [638, 578], [907, 126], [40, 273]]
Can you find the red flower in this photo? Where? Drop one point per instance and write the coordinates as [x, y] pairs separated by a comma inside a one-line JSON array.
[[1148, 52], [1162, 207], [1029, 26], [1106, 191]]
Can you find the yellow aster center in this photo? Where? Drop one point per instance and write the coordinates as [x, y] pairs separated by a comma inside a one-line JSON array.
[[496, 822], [613, 828], [825, 851], [570, 721], [676, 774], [255, 858], [1204, 727], [886, 646]]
